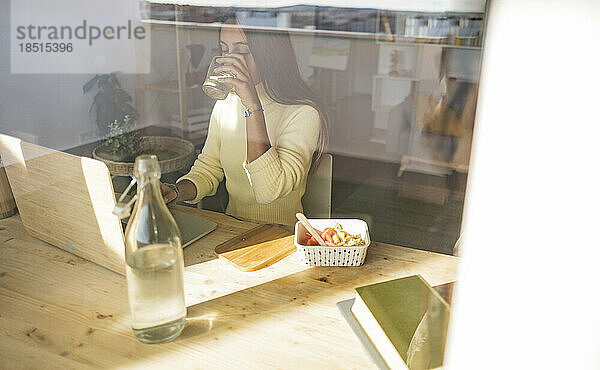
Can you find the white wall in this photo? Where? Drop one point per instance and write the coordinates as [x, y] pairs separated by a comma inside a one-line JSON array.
[[528, 293], [48, 108], [302, 44]]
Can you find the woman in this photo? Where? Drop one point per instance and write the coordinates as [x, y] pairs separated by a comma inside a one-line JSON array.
[[262, 137]]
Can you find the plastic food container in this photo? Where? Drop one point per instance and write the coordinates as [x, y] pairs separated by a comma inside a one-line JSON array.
[[332, 256]]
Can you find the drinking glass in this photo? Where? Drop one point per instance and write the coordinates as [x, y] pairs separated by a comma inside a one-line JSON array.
[[212, 86]]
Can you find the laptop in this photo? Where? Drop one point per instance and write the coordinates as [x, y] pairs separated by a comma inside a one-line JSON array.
[[67, 201]]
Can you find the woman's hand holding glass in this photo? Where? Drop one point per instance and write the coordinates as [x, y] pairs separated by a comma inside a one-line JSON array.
[[242, 84]]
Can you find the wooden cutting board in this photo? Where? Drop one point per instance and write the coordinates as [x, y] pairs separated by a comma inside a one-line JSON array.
[[257, 248]]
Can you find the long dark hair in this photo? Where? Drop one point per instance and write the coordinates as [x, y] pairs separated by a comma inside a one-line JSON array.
[[278, 68]]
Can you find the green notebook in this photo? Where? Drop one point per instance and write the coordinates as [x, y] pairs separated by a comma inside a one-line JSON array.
[[406, 320]]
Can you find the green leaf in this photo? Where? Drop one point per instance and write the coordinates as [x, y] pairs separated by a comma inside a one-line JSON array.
[[90, 84], [122, 95], [104, 83], [114, 79]]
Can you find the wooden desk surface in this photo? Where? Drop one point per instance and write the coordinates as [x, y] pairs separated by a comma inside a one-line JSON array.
[[60, 311]]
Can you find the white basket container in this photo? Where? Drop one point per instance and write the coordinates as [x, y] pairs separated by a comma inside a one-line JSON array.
[[332, 256]]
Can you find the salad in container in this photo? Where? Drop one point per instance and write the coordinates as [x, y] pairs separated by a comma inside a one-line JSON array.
[[346, 242]]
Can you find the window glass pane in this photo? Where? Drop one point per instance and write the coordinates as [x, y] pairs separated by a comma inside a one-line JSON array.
[[352, 112]]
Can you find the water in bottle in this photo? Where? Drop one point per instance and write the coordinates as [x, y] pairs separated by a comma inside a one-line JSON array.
[[154, 261]]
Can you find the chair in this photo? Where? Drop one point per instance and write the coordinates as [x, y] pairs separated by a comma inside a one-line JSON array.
[[317, 198]]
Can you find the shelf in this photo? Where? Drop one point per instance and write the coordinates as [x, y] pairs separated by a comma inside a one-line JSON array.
[[386, 77], [414, 43], [432, 167], [217, 26], [306, 31]]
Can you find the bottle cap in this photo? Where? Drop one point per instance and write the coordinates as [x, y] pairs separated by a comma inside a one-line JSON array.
[[146, 166]]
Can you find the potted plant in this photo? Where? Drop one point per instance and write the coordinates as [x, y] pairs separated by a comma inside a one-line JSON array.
[[111, 103], [123, 142], [117, 121]]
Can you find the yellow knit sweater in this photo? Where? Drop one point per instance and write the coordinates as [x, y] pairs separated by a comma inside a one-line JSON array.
[[268, 189]]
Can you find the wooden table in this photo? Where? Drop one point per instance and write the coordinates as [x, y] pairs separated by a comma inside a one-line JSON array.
[[60, 311]]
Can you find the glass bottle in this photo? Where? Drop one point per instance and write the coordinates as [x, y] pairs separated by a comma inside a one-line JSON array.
[[154, 260]]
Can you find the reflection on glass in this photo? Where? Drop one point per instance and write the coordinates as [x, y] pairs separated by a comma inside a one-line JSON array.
[[389, 93], [363, 113]]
